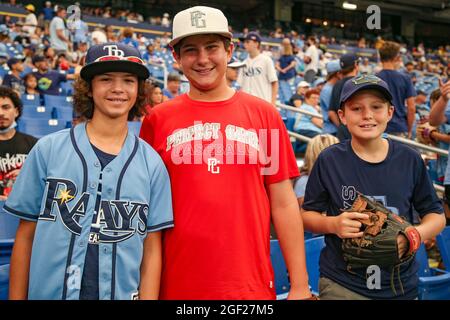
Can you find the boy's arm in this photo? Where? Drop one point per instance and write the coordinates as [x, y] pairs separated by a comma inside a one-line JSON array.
[[431, 225], [411, 115], [437, 113], [343, 225], [20, 261], [274, 85], [289, 228], [151, 267]]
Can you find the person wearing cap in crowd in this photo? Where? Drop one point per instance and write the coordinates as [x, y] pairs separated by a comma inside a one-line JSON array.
[[259, 76], [365, 67], [362, 164], [333, 75], [14, 145], [233, 71], [78, 235], [349, 63], [299, 96], [311, 59], [48, 80], [402, 88], [30, 20], [13, 79], [224, 197]]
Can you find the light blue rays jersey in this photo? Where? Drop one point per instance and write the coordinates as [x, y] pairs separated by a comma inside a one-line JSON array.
[[57, 188]]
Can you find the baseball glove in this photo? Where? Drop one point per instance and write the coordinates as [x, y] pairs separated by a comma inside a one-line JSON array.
[[378, 244], [423, 133]]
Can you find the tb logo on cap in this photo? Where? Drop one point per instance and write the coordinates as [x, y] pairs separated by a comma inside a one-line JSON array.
[[196, 19], [114, 51]]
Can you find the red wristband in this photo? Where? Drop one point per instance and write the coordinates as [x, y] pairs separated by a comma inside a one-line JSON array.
[[413, 238]]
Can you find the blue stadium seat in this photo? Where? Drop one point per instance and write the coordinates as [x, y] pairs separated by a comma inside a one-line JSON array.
[[313, 247], [31, 100], [443, 242], [4, 282], [434, 284], [57, 101], [41, 127], [67, 88], [6, 246], [37, 112], [282, 284], [62, 113], [134, 127], [8, 224]]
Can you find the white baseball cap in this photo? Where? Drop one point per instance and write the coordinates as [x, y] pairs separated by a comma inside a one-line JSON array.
[[199, 20], [303, 84]]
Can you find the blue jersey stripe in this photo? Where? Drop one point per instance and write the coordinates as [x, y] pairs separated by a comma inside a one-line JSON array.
[[20, 214], [119, 184], [72, 239], [160, 226]]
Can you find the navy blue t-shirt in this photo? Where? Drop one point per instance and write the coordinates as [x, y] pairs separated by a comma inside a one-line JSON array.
[[401, 88], [284, 61], [48, 83], [400, 182], [89, 281]]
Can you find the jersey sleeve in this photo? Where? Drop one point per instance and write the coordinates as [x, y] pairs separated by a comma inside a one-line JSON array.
[[271, 71], [25, 198], [424, 196], [316, 197], [282, 164], [161, 213]]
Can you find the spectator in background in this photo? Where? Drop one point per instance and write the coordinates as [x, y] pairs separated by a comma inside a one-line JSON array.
[[259, 76], [173, 87], [109, 33], [98, 36], [306, 125], [333, 75], [78, 56], [311, 59], [48, 80], [14, 145], [299, 95], [165, 22], [80, 32], [48, 15], [232, 72], [13, 79], [365, 67], [314, 148], [402, 90], [154, 95], [30, 20], [30, 83], [59, 34], [286, 70], [127, 38]]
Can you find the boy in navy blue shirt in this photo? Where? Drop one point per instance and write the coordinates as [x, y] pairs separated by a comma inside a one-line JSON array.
[[387, 171]]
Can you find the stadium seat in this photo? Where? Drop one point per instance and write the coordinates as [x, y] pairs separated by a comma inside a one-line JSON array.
[[30, 100], [57, 101], [434, 284], [313, 247], [6, 246], [67, 88], [282, 284], [41, 127], [4, 281], [443, 242], [8, 224], [62, 113], [134, 127], [37, 112]]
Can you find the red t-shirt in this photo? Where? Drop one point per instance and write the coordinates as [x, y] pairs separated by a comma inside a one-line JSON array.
[[219, 169]]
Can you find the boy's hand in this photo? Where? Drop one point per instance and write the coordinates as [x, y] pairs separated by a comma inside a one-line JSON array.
[[402, 244], [445, 89], [346, 225]]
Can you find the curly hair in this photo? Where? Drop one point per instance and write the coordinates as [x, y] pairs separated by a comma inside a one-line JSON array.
[[83, 104], [7, 92]]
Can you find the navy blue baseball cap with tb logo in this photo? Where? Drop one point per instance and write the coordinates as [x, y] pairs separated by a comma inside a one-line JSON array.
[[364, 82], [113, 57]]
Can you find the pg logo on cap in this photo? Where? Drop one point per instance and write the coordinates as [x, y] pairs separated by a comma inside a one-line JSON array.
[[197, 19], [114, 51]]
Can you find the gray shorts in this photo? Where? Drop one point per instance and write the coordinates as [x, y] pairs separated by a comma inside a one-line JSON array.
[[330, 290]]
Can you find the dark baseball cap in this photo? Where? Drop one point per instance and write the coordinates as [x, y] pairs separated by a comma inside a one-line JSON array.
[[364, 82], [38, 58], [251, 36], [13, 61], [348, 60], [113, 57]]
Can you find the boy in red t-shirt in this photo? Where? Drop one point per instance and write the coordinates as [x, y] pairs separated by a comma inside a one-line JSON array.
[[231, 163]]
